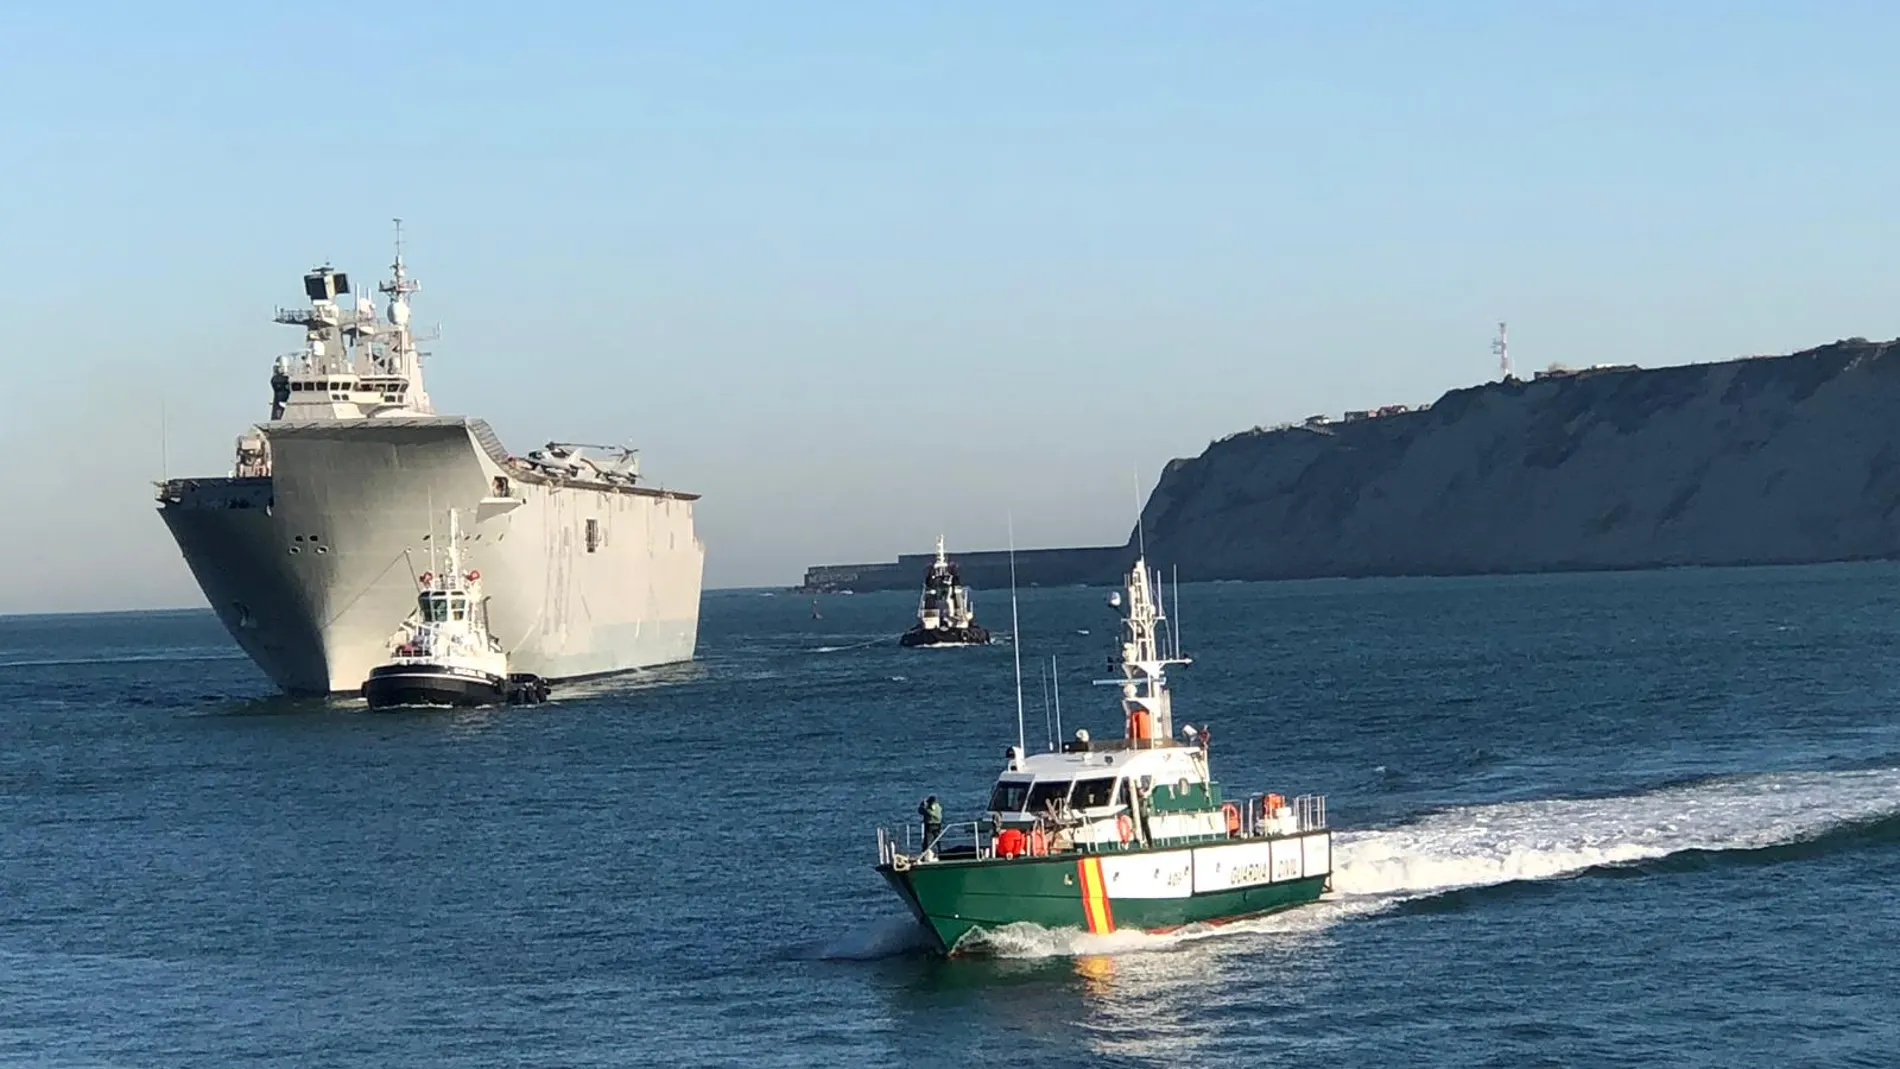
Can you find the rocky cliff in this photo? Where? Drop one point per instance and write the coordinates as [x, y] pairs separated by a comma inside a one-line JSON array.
[[1766, 460]]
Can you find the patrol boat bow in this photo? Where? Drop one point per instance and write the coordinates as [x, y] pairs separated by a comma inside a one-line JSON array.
[[1106, 836]]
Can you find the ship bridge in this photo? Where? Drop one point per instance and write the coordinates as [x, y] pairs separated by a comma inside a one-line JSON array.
[[354, 363]]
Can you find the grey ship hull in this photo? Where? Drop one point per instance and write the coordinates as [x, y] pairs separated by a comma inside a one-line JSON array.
[[313, 567]]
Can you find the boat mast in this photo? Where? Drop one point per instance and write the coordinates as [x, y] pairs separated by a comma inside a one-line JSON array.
[[1145, 698], [1057, 673], [407, 361], [455, 547], [1015, 631]]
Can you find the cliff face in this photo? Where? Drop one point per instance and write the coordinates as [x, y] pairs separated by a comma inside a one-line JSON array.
[[1768, 460]]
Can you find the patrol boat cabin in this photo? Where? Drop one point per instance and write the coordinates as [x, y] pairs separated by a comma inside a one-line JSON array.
[[1104, 836]]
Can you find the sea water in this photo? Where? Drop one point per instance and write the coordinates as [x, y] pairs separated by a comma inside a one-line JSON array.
[[1627, 819]]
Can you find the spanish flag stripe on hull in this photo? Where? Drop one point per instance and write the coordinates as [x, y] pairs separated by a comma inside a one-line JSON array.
[[1095, 908]]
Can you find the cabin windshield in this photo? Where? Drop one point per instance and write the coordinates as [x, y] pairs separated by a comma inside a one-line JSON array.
[[1009, 796], [435, 608], [1048, 793], [1094, 793], [459, 608]]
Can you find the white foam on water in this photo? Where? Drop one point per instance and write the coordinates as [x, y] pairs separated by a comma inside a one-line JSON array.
[[881, 639], [1478, 846], [1488, 845]]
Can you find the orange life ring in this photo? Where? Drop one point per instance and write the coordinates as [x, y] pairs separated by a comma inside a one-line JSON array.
[[1232, 812], [1125, 828]]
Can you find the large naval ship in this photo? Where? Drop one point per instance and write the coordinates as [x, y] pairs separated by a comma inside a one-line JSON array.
[[310, 550]]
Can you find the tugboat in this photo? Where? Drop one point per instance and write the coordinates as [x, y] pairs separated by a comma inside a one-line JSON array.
[[1132, 833], [945, 616], [444, 652]]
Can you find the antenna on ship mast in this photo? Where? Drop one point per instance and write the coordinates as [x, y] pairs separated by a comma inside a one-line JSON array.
[[1174, 619], [1141, 523], [1046, 724], [1056, 674], [1501, 345], [1015, 633]]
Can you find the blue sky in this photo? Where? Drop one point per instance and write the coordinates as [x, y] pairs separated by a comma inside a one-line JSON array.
[[860, 272]]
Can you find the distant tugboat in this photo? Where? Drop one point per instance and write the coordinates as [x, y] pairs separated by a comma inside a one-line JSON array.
[[1106, 836], [444, 652], [945, 616]]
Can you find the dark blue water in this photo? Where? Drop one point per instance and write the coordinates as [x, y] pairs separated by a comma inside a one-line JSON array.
[[1594, 820]]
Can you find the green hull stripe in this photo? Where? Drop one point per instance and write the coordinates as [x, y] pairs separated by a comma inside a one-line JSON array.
[[953, 900]]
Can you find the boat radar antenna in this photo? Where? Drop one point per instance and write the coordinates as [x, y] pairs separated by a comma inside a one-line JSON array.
[[1501, 346]]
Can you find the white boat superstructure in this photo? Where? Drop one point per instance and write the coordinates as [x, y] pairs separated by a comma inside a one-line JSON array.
[[306, 549]]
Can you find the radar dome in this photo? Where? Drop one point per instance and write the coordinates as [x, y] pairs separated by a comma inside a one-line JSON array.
[[399, 313]]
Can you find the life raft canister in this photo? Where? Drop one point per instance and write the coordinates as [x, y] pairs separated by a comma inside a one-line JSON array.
[[1009, 842], [1125, 828]]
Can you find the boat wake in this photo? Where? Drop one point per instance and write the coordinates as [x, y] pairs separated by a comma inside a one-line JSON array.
[[1486, 845], [1490, 845], [166, 656], [878, 641]]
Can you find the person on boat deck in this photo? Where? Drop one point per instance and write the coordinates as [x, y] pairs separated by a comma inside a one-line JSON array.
[[933, 820]]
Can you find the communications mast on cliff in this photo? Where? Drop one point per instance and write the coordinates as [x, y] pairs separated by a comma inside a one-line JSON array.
[[1502, 347]]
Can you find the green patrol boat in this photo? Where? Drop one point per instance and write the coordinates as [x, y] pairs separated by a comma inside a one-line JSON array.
[[1108, 836]]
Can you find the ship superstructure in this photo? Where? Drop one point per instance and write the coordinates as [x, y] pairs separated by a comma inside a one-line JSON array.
[[306, 550]]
